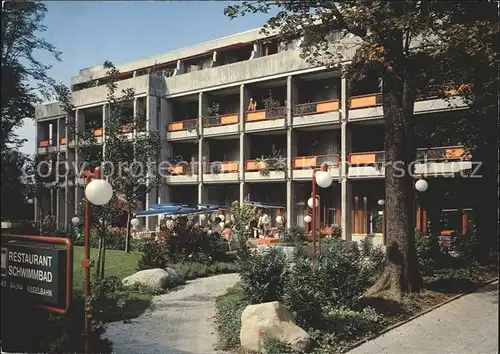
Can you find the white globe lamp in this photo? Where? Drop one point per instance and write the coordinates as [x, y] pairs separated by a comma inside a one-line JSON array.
[[162, 217], [99, 192], [134, 222], [222, 217], [421, 185], [30, 201], [381, 202], [203, 217], [323, 179], [75, 220], [307, 218], [279, 219], [310, 202]]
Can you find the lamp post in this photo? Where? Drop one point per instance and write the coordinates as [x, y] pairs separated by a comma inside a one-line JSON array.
[[421, 186], [98, 192], [307, 220], [324, 180], [381, 203]]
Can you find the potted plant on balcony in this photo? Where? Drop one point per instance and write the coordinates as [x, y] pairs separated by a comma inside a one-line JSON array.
[[213, 114], [272, 162], [272, 107]]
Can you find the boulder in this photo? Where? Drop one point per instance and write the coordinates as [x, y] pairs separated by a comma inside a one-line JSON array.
[[270, 320], [156, 279]]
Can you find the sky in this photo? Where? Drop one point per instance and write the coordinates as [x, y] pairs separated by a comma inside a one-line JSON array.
[[90, 32]]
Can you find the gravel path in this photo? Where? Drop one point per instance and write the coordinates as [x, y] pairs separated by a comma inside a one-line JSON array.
[[180, 322], [468, 325]]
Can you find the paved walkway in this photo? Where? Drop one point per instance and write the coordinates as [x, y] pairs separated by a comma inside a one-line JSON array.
[[468, 325], [180, 322]]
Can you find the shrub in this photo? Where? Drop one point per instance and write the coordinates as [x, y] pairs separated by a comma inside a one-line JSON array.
[[228, 319], [375, 256], [294, 234], [192, 270], [107, 298], [155, 254], [262, 275], [338, 277]]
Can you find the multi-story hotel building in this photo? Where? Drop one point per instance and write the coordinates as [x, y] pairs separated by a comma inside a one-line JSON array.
[[318, 119]]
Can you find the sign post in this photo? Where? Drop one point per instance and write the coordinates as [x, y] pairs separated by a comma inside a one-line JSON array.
[[35, 271]]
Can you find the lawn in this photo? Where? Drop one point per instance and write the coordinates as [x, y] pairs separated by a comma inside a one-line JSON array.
[[118, 264]]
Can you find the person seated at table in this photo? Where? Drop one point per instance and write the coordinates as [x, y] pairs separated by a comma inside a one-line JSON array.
[[226, 233], [252, 105], [216, 228]]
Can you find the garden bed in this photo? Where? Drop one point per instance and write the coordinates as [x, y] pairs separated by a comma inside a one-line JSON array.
[[443, 286]]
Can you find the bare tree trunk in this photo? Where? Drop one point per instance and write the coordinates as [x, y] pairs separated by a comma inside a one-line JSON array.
[[401, 273], [127, 240], [99, 254]]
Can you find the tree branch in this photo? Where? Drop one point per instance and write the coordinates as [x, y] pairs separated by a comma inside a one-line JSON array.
[[351, 27]]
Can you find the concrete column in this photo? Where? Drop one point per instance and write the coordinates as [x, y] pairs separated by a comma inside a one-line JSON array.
[[80, 127], [151, 124], [244, 141], [345, 183], [151, 113]]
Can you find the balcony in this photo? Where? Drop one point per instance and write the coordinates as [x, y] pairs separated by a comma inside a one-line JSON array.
[[226, 124], [267, 170], [62, 144], [438, 161], [184, 129], [183, 174], [316, 113], [221, 172], [303, 166], [47, 145], [370, 106], [266, 119]]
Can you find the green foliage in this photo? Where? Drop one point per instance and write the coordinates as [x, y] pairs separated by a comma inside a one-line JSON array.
[[193, 270], [262, 275], [155, 254], [229, 307], [294, 234], [375, 255], [338, 277], [274, 346], [107, 299], [345, 326], [213, 110], [243, 215]]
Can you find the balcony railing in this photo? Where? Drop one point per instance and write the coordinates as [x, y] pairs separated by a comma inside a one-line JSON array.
[[48, 142], [188, 124], [365, 101], [272, 164], [447, 153], [263, 114], [315, 161], [316, 107], [62, 141], [97, 132], [221, 167], [219, 120], [376, 99], [184, 169]]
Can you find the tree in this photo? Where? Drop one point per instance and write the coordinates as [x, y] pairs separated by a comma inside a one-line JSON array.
[[130, 163], [24, 83], [401, 41]]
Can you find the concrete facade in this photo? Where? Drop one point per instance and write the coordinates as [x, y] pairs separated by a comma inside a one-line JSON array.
[[228, 156]]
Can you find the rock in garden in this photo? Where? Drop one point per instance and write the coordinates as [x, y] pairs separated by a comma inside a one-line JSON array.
[[156, 279], [270, 320]]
